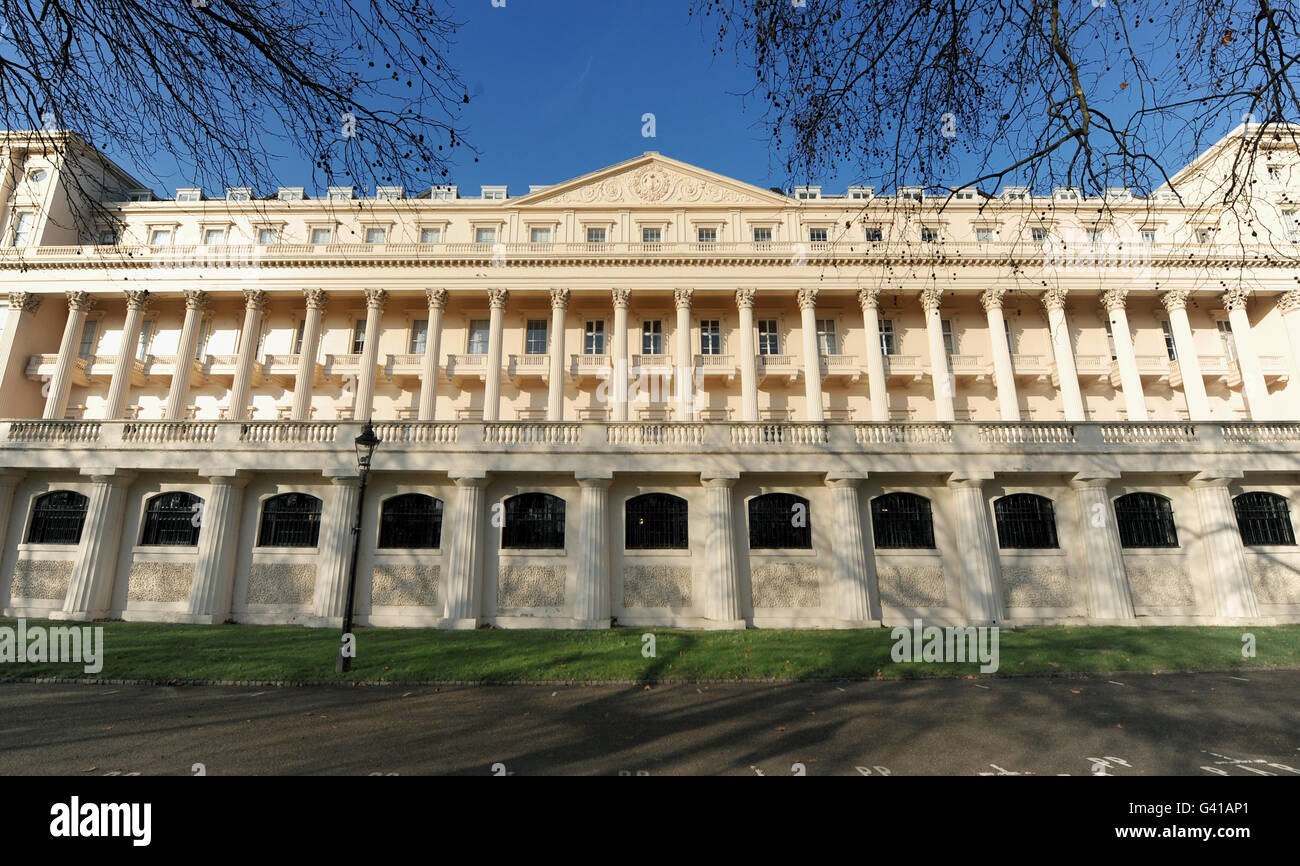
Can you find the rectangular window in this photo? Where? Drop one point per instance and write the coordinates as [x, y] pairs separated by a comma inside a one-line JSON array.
[[320, 236], [266, 237], [706, 236], [1006, 326], [652, 337], [205, 334], [1110, 340], [430, 236], [89, 339], [107, 237], [1095, 236], [535, 337], [297, 337], [1204, 236], [826, 342], [768, 341], [929, 236], [652, 236], [485, 236], [419, 337], [887, 344], [1225, 338], [539, 236], [1291, 222], [817, 236], [949, 341], [874, 234], [593, 340], [478, 336], [984, 236], [762, 236], [1039, 235], [160, 238], [358, 336], [710, 337], [376, 236], [1170, 348], [595, 236], [1148, 236], [214, 236], [146, 336]]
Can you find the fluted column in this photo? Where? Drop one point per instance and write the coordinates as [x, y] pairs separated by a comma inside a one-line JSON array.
[[437, 299], [90, 587], [306, 380], [1252, 375], [56, 400], [1101, 557], [1135, 401], [461, 609], [555, 375], [1066, 372], [940, 374], [364, 405], [241, 389], [195, 303], [1004, 375], [869, 300], [1225, 555], [1189, 363], [9, 480], [685, 359], [722, 595], [17, 319], [854, 555], [214, 572], [1289, 304], [497, 300], [812, 361], [622, 300], [748, 363], [977, 552], [120, 385], [336, 549], [592, 604]]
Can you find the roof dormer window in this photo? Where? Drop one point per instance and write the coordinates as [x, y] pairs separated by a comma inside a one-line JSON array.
[[494, 193], [239, 193], [189, 195]]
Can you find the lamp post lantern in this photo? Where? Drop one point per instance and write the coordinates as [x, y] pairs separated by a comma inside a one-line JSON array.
[[366, 444]]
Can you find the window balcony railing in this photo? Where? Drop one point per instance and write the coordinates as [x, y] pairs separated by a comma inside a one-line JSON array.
[[905, 367]]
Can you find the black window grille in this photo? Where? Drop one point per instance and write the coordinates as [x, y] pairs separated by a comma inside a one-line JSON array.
[[902, 520], [1145, 520], [1263, 518], [655, 521], [411, 520], [1025, 520], [172, 519], [534, 521], [290, 520], [779, 520], [57, 518]]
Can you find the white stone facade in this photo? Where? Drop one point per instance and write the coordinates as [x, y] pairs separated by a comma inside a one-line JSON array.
[[650, 329]]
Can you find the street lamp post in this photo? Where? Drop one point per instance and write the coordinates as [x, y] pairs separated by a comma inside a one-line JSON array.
[[366, 444]]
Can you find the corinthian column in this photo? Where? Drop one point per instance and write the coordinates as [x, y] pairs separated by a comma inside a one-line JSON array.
[[1189, 364], [555, 383], [1003, 373], [56, 401], [1252, 376], [685, 360], [622, 300], [364, 405], [1135, 402], [748, 363], [195, 303], [306, 379], [940, 375], [869, 300], [1066, 372], [432, 345], [812, 361], [254, 306], [497, 300], [120, 384]]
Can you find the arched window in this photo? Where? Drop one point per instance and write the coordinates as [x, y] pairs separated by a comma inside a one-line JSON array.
[[57, 518], [172, 519], [655, 521], [411, 520], [290, 520], [779, 520], [1145, 520], [1263, 518], [902, 520], [534, 521], [1025, 520]]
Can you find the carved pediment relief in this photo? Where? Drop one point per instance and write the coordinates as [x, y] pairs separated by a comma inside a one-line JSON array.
[[654, 183]]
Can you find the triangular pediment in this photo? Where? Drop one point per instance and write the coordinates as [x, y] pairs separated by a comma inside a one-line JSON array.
[[653, 180]]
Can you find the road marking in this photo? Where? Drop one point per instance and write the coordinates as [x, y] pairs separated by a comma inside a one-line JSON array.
[[1243, 679], [1113, 683], [255, 694], [978, 686]]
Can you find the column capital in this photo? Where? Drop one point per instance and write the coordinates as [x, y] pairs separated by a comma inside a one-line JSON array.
[[968, 479], [1054, 298], [1114, 300], [838, 480], [498, 298], [1235, 298], [727, 481], [27, 302], [470, 479], [869, 299], [136, 299], [227, 477], [1092, 481], [931, 299], [1215, 478], [560, 299], [376, 299], [436, 298], [594, 479], [807, 299], [316, 298], [991, 299], [196, 299], [12, 476], [682, 298], [1289, 302], [1175, 299], [116, 477], [80, 301], [622, 298], [347, 477], [745, 298], [256, 300]]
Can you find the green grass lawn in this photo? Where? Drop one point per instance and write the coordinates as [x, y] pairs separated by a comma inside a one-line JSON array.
[[162, 652]]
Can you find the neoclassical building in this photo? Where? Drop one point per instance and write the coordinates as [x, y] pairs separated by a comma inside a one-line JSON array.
[[652, 395]]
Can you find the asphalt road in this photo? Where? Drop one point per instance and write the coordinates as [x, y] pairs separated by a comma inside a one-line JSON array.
[[1202, 724]]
